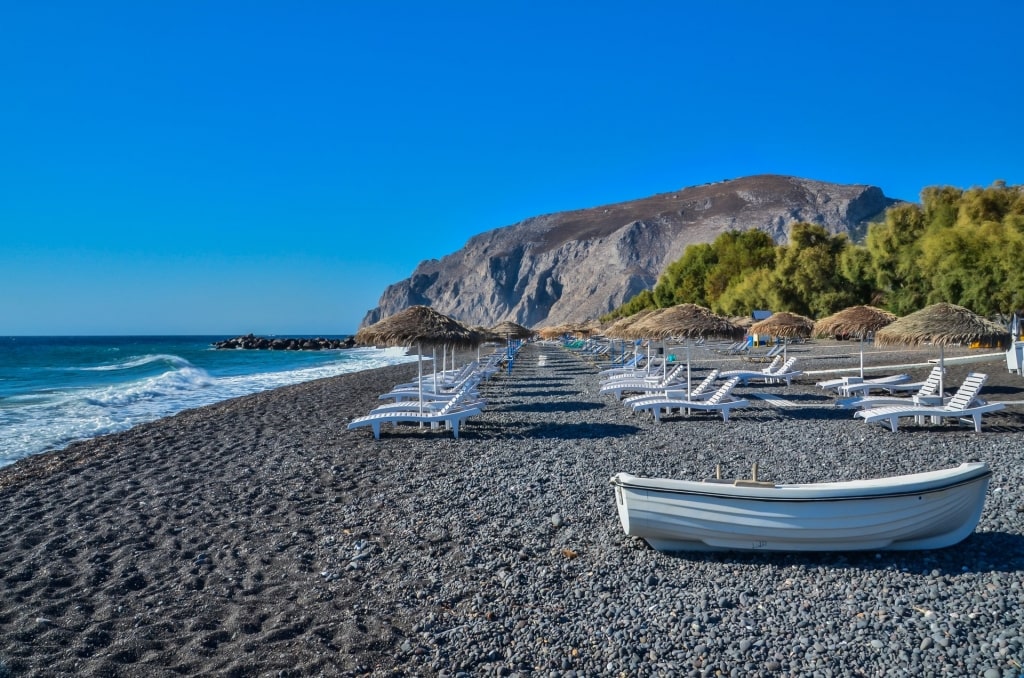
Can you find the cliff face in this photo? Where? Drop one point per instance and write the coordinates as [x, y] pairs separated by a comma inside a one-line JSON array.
[[575, 266]]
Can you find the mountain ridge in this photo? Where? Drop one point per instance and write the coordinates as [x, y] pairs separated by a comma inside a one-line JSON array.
[[578, 264]]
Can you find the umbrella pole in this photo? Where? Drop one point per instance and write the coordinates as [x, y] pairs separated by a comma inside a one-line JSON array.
[[942, 372], [419, 370], [689, 388], [862, 357]]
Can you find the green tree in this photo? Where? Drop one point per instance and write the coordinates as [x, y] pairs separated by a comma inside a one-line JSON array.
[[684, 279], [895, 255], [807, 276]]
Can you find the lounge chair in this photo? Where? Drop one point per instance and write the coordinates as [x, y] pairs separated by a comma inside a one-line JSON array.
[[451, 415], [769, 355], [785, 373], [961, 406], [769, 374], [463, 397], [617, 386], [865, 387], [927, 388], [842, 383], [701, 391], [429, 392], [720, 400]]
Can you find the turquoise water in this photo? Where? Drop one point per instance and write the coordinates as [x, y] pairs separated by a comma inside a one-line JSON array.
[[56, 390]]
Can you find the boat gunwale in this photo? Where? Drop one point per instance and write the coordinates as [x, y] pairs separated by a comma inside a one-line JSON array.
[[763, 494]]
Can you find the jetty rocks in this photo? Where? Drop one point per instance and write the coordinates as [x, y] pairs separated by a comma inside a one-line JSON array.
[[251, 341]]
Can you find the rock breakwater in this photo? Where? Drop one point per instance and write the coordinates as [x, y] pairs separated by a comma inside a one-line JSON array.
[[251, 341]]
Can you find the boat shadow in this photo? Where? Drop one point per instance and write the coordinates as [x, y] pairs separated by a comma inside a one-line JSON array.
[[979, 552]]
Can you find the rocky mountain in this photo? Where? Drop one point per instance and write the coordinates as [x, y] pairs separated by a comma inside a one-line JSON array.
[[577, 265]]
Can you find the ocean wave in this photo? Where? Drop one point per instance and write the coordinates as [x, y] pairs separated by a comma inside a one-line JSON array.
[[177, 382], [141, 361], [65, 416]]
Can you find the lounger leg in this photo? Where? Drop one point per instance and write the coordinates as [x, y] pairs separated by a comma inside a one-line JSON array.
[[376, 430], [894, 423], [455, 427], [725, 414], [977, 423]]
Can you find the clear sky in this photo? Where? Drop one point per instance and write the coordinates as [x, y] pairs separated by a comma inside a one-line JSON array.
[[190, 167]]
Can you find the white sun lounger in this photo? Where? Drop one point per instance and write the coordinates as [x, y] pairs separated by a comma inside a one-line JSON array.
[[959, 407], [617, 386], [841, 383], [719, 401], [926, 388], [701, 391], [783, 372], [451, 415]]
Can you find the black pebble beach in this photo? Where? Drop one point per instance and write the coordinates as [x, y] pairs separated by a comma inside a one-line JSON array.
[[259, 537]]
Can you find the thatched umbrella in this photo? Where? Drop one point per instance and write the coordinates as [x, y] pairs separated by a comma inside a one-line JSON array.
[[420, 325], [622, 328], [550, 332], [689, 321], [859, 321], [784, 324], [511, 330], [942, 324], [744, 321]]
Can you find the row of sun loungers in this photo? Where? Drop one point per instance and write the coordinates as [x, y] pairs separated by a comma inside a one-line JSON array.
[[927, 403], [444, 399]]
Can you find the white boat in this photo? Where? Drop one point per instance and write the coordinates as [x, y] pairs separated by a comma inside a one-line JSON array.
[[919, 511]]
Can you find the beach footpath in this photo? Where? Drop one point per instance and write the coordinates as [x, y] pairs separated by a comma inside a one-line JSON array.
[[259, 537]]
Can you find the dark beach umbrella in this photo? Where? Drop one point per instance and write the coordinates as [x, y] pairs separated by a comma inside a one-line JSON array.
[[942, 324], [690, 321], [422, 326], [857, 321]]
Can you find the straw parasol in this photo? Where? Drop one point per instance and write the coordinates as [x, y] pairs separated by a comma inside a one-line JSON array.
[[689, 321], [784, 324], [511, 330], [859, 321], [942, 324], [420, 325], [622, 328], [743, 321]]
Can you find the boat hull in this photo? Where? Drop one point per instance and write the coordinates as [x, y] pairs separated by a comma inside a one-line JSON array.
[[920, 511]]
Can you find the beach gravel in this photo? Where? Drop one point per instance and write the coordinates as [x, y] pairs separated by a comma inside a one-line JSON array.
[[259, 537]]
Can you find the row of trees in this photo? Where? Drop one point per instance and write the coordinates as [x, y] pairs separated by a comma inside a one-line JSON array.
[[963, 247]]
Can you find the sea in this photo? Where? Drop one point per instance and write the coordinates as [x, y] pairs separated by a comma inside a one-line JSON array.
[[58, 390]]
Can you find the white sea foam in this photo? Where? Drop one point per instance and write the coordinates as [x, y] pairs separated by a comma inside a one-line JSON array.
[[138, 362], [37, 422]]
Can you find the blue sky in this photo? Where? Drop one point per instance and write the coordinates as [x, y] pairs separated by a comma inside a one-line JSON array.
[[227, 167]]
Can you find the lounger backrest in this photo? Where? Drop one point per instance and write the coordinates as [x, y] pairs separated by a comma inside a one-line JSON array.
[[703, 386], [785, 366], [773, 364], [671, 375], [931, 384], [723, 391], [968, 391]]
